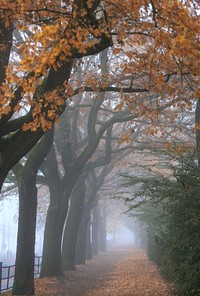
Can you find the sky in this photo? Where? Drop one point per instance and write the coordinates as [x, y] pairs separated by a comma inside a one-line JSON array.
[[8, 227]]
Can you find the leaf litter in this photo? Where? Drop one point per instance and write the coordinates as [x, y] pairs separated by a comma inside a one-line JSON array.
[[122, 271]]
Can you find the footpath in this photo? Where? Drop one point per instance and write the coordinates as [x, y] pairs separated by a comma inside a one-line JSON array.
[[122, 271]]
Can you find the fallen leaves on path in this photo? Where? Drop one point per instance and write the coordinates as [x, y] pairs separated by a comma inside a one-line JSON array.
[[118, 272], [134, 276], [46, 286]]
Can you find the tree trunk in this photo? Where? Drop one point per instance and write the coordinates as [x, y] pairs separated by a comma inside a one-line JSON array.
[[58, 208], [60, 191], [56, 214], [197, 123], [51, 256], [72, 225], [102, 232], [5, 39], [81, 240], [2, 177], [88, 251], [72, 167], [55, 221], [24, 270], [26, 178], [95, 222]]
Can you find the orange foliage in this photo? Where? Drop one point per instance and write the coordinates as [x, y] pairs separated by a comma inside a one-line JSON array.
[[157, 41]]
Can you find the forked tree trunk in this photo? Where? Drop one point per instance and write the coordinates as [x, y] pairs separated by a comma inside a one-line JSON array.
[[60, 191], [55, 221]]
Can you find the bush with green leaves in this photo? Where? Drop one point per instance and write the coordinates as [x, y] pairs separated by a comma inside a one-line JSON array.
[[169, 205]]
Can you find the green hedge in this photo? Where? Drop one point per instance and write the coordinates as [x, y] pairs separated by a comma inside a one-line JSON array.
[[172, 215]]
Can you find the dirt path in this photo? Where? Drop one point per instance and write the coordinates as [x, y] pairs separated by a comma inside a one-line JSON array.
[[120, 272]]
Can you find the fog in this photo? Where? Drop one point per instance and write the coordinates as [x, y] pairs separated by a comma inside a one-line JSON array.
[[8, 228], [120, 228], [122, 236]]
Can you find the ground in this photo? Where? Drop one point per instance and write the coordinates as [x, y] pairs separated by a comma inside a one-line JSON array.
[[122, 271]]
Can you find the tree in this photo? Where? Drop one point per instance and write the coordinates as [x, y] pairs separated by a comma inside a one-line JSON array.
[[72, 224], [35, 81], [74, 248], [59, 196], [45, 62], [147, 35], [26, 178], [73, 165]]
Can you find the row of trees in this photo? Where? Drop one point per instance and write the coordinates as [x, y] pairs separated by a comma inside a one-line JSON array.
[[64, 167], [54, 50]]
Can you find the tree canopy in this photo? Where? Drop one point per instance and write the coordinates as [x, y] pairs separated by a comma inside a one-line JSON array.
[[157, 43]]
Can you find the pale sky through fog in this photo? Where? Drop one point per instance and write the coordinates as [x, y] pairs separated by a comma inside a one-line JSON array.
[[8, 226], [8, 230]]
